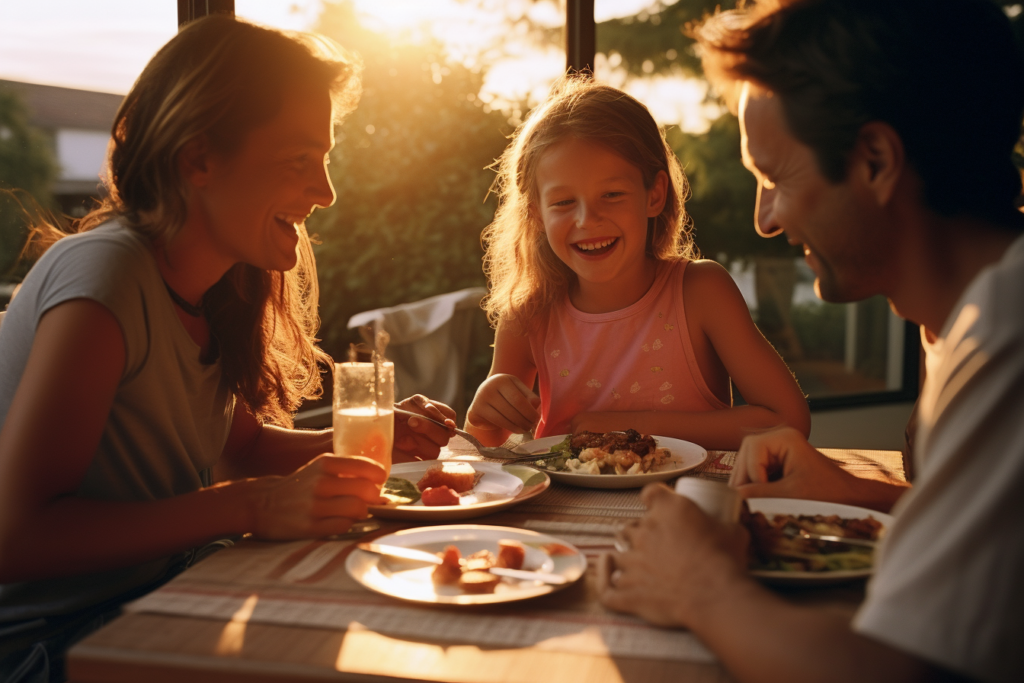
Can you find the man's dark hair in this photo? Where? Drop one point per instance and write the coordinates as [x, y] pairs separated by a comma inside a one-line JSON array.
[[947, 75]]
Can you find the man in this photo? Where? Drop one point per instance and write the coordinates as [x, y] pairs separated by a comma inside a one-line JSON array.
[[880, 132]]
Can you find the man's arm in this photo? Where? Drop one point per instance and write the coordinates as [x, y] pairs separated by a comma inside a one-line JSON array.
[[685, 569], [781, 464]]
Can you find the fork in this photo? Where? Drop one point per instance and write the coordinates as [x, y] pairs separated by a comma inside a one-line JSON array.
[[493, 452], [792, 531]]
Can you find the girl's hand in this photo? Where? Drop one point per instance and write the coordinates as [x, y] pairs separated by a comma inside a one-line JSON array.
[[504, 402], [419, 439], [321, 498]]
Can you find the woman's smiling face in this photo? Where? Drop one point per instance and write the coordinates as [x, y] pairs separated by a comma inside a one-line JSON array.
[[254, 198], [595, 209]]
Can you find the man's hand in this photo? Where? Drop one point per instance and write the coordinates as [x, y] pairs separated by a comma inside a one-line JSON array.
[[419, 439], [503, 402], [673, 541], [780, 463], [321, 498]]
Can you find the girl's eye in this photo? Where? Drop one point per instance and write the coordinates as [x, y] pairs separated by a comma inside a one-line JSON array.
[[613, 195], [564, 202]]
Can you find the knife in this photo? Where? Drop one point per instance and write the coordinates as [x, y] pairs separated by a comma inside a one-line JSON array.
[[431, 558]]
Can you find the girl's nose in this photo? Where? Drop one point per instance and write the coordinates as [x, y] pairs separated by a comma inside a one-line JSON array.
[[587, 215]]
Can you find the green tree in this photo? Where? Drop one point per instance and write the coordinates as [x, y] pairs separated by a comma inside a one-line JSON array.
[[27, 172], [409, 168]]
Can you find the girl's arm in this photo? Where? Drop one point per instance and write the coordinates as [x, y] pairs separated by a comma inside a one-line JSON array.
[[51, 433], [504, 403], [716, 310]]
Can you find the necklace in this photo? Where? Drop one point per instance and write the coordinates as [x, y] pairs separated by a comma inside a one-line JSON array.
[[194, 311]]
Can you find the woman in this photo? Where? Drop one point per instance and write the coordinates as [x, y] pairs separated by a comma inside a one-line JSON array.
[[164, 346]]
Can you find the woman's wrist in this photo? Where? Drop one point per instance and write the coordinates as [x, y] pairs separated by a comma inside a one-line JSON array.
[[240, 504]]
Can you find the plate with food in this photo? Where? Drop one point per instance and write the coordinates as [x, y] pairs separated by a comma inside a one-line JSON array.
[[452, 490], [786, 546], [467, 552], [614, 460]]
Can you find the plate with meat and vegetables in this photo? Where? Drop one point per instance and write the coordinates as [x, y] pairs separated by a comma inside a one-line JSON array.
[[465, 555], [453, 490], [614, 460], [796, 541]]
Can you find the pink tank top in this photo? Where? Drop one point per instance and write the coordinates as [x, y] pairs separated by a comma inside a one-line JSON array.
[[638, 358]]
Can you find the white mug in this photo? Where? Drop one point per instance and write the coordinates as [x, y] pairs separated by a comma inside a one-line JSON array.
[[717, 499]]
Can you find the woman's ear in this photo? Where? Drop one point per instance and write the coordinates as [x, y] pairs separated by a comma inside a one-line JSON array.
[[657, 194], [878, 160], [194, 162]]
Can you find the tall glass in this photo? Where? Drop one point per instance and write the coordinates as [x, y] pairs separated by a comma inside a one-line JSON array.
[[364, 416]]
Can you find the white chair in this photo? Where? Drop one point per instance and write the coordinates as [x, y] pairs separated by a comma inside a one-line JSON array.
[[430, 343]]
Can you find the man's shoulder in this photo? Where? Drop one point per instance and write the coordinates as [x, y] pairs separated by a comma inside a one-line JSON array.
[[996, 299]]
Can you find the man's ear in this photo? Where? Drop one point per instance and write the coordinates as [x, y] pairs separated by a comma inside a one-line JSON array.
[[878, 160], [657, 195], [194, 162]]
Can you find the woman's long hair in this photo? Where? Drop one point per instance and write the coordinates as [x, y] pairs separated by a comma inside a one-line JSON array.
[[524, 274], [219, 78]]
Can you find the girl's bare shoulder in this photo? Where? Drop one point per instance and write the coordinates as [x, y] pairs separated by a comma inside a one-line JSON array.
[[704, 276], [711, 296]]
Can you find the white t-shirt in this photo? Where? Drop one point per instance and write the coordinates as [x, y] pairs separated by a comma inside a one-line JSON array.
[[949, 585], [170, 416]]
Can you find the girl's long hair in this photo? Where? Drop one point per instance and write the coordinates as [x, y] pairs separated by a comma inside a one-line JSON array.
[[219, 78], [525, 276]]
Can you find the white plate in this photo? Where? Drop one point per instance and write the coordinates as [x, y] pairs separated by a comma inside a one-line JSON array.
[[412, 581], [533, 482], [686, 456], [793, 506]]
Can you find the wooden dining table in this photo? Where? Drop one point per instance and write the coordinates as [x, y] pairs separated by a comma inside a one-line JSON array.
[[251, 613]]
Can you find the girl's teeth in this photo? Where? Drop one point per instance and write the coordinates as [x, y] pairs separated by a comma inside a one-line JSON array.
[[596, 245]]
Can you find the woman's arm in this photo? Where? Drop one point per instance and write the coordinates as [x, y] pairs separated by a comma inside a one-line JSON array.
[[716, 311], [51, 433], [505, 403], [253, 449]]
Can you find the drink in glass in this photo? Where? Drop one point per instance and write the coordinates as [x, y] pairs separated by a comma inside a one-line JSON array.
[[364, 417]]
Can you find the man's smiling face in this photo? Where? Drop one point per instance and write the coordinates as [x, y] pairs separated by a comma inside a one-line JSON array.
[[837, 230]]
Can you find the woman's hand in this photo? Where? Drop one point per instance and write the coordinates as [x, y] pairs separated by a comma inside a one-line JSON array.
[[321, 498], [780, 463], [504, 402], [419, 439], [671, 560]]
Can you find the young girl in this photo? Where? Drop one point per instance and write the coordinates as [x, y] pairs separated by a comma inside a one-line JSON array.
[[164, 346], [597, 295]]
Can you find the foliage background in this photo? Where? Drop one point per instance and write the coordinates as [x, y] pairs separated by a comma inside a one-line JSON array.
[[27, 172]]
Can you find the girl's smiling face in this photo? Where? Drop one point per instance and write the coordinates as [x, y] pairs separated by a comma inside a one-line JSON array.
[[595, 210]]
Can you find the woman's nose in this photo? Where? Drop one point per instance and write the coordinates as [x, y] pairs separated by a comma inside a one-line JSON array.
[[764, 213], [321, 189]]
